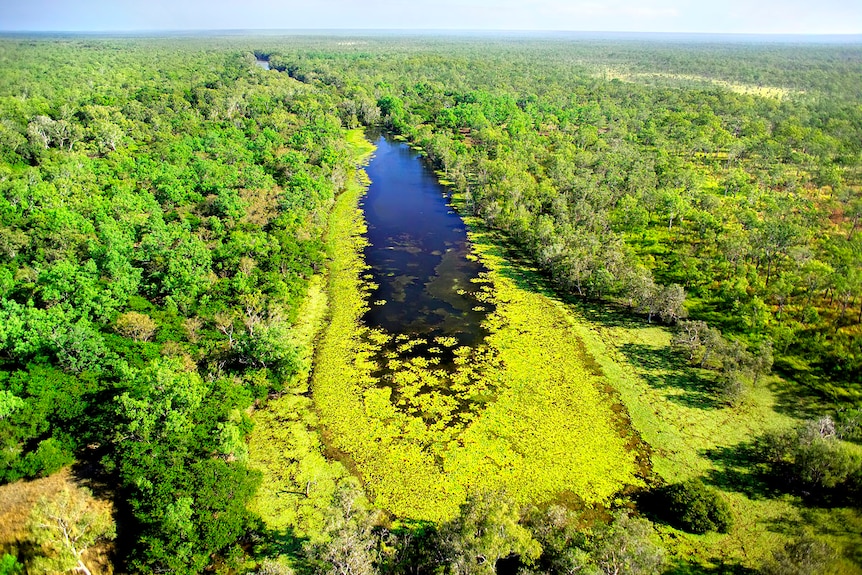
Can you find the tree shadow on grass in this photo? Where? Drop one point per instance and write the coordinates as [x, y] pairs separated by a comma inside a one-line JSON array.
[[521, 269], [662, 368], [518, 267], [608, 314], [742, 468], [683, 567], [843, 527], [273, 543], [798, 393], [737, 468]]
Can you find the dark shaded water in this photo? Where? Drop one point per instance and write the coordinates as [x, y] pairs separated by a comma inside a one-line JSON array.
[[417, 251]]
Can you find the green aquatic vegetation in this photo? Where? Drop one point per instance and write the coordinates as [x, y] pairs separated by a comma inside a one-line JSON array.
[[410, 344], [522, 413], [446, 341]]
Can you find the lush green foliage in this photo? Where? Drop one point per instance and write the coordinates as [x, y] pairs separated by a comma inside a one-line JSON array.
[[485, 531], [621, 190], [623, 545], [158, 226], [693, 506], [804, 556], [9, 565], [814, 459]]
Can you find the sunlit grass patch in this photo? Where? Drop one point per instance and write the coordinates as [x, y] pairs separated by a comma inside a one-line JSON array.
[[691, 434], [774, 92], [359, 146]]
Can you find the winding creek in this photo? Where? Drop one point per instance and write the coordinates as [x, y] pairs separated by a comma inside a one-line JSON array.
[[418, 251]]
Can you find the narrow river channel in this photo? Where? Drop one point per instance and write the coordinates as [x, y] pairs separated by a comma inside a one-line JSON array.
[[417, 251]]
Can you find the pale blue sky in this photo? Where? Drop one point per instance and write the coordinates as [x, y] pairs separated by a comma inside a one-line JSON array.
[[721, 16]]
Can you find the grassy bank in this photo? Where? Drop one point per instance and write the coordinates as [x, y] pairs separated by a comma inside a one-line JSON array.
[[565, 401], [693, 434], [688, 432], [285, 444]]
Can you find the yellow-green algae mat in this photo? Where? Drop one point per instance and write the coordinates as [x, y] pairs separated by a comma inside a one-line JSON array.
[[538, 423]]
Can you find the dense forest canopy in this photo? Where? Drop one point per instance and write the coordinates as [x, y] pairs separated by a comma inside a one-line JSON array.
[[166, 202], [162, 213]]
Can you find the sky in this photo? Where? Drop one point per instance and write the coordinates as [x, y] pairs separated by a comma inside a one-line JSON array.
[[684, 16]]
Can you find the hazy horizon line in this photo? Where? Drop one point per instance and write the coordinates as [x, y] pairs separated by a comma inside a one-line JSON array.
[[855, 37]]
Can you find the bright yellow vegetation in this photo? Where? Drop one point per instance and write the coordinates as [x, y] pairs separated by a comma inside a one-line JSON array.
[[774, 92], [298, 480]]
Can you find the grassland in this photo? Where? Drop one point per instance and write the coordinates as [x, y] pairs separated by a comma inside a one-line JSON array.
[[687, 432], [691, 434], [774, 92]]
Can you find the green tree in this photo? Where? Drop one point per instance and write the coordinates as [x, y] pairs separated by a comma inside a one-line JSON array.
[[803, 556], [811, 456], [564, 542], [9, 565], [486, 530], [625, 547], [351, 545], [190, 503], [9, 403], [695, 507], [670, 303]]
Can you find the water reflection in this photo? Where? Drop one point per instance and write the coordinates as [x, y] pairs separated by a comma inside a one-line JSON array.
[[417, 251]]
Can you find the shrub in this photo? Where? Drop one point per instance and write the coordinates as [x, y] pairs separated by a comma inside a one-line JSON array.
[[696, 508], [811, 457], [9, 565], [626, 546], [49, 457], [803, 556]]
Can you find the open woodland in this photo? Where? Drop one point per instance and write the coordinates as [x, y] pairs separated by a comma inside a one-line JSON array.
[[671, 380]]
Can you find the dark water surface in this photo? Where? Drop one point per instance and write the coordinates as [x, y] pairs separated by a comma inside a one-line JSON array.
[[417, 251]]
